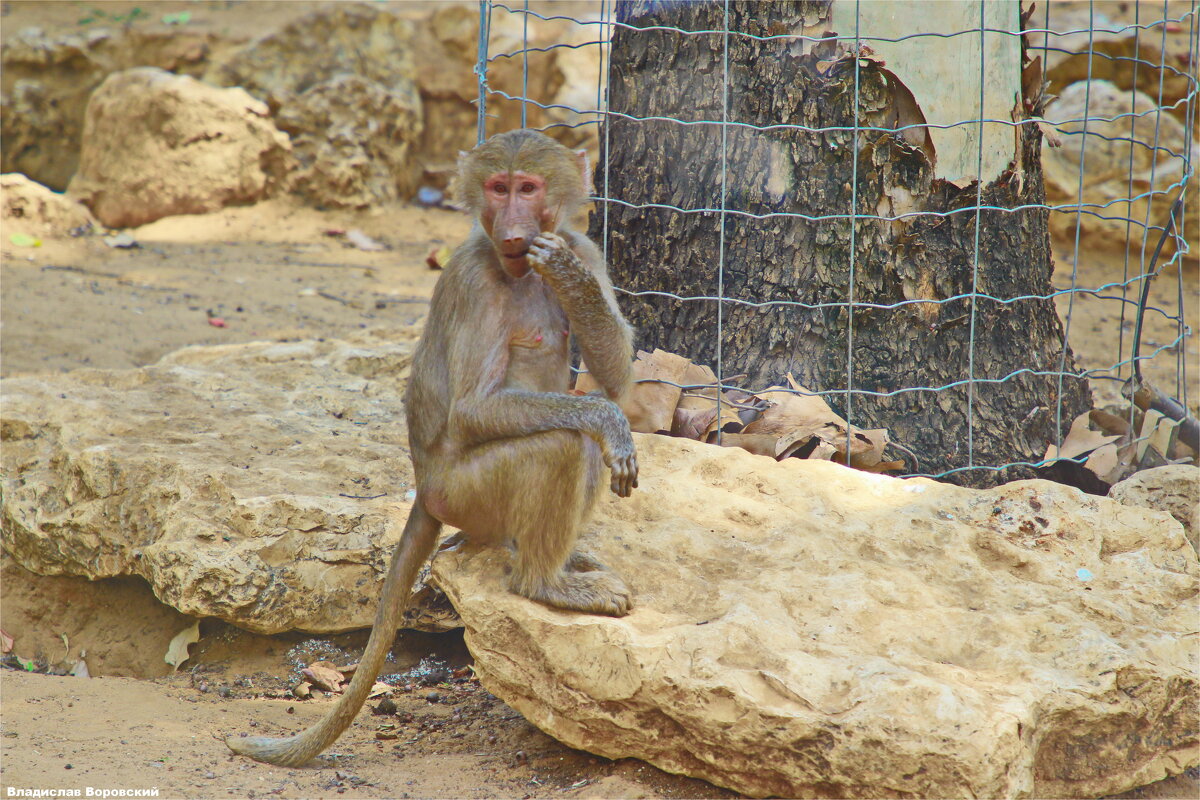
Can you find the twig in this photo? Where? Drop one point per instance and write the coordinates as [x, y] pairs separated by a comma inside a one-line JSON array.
[[361, 496]]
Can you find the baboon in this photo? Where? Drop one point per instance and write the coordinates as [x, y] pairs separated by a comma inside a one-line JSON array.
[[500, 450]]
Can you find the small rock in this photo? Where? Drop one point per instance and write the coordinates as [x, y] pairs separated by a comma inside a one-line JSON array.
[[385, 706], [31, 209], [122, 240]]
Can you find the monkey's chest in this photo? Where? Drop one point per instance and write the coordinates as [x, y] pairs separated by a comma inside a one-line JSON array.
[[538, 349]]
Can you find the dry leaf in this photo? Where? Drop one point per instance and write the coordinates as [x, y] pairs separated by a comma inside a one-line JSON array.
[[866, 447], [1103, 460], [80, 670], [701, 396], [177, 650], [650, 405], [1158, 431], [1110, 424], [6, 642], [1080, 439], [380, 688], [302, 690], [691, 423], [655, 394], [324, 675]]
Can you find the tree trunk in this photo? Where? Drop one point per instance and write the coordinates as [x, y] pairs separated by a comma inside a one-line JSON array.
[[910, 367]]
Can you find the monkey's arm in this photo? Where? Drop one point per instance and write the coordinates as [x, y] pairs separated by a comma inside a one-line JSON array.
[[484, 410], [579, 278]]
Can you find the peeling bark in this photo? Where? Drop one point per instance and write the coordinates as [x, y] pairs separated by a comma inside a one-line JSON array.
[[790, 259]]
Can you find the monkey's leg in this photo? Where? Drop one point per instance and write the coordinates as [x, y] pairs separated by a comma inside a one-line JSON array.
[[416, 545], [537, 490]]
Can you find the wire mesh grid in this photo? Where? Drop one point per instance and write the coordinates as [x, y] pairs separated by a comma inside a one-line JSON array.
[[1148, 213]]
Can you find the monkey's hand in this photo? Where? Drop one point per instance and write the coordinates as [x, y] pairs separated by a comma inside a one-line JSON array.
[[553, 259], [620, 456]]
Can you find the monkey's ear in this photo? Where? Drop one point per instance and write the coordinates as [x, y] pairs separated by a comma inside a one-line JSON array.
[[585, 171]]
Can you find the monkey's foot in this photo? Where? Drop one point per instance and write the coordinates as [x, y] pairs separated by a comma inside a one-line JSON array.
[[584, 562], [590, 592]]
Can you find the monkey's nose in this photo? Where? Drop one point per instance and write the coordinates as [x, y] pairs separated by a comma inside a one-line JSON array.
[[514, 245]]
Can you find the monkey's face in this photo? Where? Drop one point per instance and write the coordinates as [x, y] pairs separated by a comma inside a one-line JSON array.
[[514, 213]]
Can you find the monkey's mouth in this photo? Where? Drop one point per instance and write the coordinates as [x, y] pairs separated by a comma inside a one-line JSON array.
[[516, 256]]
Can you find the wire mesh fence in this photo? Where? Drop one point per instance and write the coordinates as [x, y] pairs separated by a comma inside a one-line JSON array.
[[1110, 89]]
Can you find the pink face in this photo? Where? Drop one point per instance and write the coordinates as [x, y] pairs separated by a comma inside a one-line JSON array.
[[514, 213]]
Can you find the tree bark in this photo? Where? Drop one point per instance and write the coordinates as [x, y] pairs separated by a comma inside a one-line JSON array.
[[911, 367]]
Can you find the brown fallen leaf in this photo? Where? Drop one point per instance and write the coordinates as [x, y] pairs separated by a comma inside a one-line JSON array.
[[1109, 423], [6, 642], [701, 393], [691, 423], [1080, 440], [867, 447], [302, 690], [793, 411], [650, 405], [324, 675]]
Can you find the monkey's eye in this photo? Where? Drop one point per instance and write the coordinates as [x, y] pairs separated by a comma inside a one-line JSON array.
[[500, 188], [528, 188]]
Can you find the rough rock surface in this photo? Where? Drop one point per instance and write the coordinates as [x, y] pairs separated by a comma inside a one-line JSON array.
[[1116, 175], [157, 144], [341, 81], [29, 207], [45, 83], [354, 141], [804, 630], [450, 89], [1174, 489], [264, 484]]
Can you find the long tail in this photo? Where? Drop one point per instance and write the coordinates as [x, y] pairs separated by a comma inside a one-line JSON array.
[[415, 547]]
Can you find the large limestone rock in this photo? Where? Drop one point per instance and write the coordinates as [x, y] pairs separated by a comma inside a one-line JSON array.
[[341, 82], [804, 630], [29, 207], [264, 484], [45, 83], [157, 144], [354, 141], [1174, 489]]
